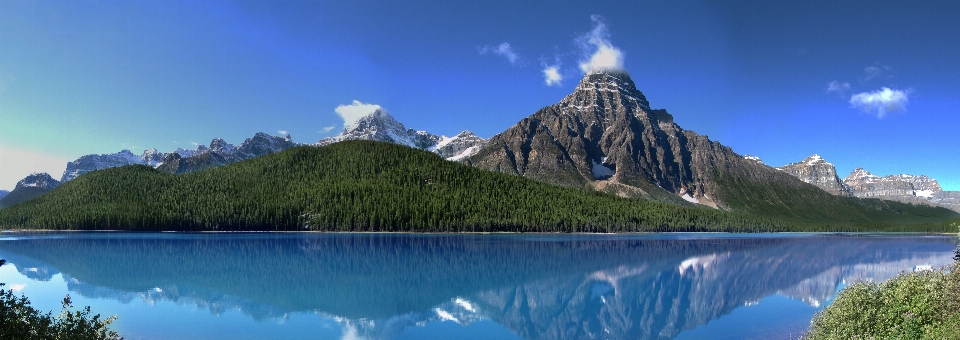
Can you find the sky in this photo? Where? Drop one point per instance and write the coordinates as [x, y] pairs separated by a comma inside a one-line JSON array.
[[869, 84]]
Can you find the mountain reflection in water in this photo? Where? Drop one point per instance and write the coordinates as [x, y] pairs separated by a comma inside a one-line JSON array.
[[635, 286]]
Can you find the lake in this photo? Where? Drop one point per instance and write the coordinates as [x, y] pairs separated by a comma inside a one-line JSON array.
[[455, 286]]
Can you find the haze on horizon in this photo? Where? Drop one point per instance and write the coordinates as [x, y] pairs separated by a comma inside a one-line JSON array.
[[863, 84]]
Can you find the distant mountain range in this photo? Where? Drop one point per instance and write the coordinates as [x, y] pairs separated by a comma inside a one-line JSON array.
[[863, 184], [34, 185], [381, 126], [604, 136]]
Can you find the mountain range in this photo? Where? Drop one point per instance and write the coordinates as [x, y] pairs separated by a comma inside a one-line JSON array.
[[603, 136], [863, 184], [381, 126]]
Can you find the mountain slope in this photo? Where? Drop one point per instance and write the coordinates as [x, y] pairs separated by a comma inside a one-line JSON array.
[[29, 187], [605, 135], [366, 186], [356, 185]]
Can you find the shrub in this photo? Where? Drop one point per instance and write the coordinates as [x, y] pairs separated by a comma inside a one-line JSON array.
[[918, 305], [19, 320]]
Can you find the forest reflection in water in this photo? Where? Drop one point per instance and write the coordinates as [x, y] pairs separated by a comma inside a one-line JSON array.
[[537, 286]]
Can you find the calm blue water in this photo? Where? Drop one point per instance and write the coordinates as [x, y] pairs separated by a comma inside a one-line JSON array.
[[415, 286]]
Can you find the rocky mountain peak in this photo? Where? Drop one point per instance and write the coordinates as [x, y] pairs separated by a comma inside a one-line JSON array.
[[261, 144], [152, 157], [379, 118], [220, 146], [605, 135], [93, 162], [817, 171], [606, 87], [381, 126], [458, 147], [903, 187], [815, 159], [607, 98], [40, 180], [860, 174]]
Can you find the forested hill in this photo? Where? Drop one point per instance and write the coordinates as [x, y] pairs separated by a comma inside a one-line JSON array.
[[374, 186]]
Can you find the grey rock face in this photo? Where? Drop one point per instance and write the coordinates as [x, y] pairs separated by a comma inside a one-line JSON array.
[[152, 157], [865, 184], [220, 153], [89, 163], [947, 199], [606, 135], [183, 160], [381, 126], [261, 144], [464, 144], [815, 170], [903, 188], [38, 180]]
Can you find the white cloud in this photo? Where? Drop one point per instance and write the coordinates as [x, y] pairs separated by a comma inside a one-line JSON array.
[[18, 286], [194, 143], [551, 75], [602, 54], [881, 102], [282, 132], [15, 164], [838, 87], [353, 112], [328, 128], [503, 49]]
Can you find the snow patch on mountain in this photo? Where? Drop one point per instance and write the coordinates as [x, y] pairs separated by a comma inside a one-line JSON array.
[[601, 171], [379, 125], [38, 180]]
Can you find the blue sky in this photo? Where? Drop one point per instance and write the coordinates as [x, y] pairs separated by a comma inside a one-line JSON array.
[[81, 77]]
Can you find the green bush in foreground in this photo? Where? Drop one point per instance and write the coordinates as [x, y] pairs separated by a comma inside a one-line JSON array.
[[19, 320], [918, 305]]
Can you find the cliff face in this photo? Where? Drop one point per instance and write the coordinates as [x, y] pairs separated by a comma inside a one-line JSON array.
[[815, 170], [606, 135], [903, 188]]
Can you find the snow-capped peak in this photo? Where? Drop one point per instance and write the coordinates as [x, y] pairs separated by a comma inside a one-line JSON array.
[[753, 158], [814, 159], [38, 180]]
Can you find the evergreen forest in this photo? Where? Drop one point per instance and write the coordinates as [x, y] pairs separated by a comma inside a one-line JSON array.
[[375, 186]]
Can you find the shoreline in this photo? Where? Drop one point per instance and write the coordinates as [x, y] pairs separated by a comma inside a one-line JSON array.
[[29, 231]]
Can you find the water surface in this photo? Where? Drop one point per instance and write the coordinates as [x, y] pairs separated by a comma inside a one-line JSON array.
[[416, 286]]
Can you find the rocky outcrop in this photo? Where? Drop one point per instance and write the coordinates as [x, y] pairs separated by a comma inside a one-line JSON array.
[[89, 163], [606, 135], [815, 170], [183, 160], [175, 164], [902, 188], [29, 187], [947, 199], [464, 144], [258, 145], [865, 184], [381, 126], [220, 153]]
